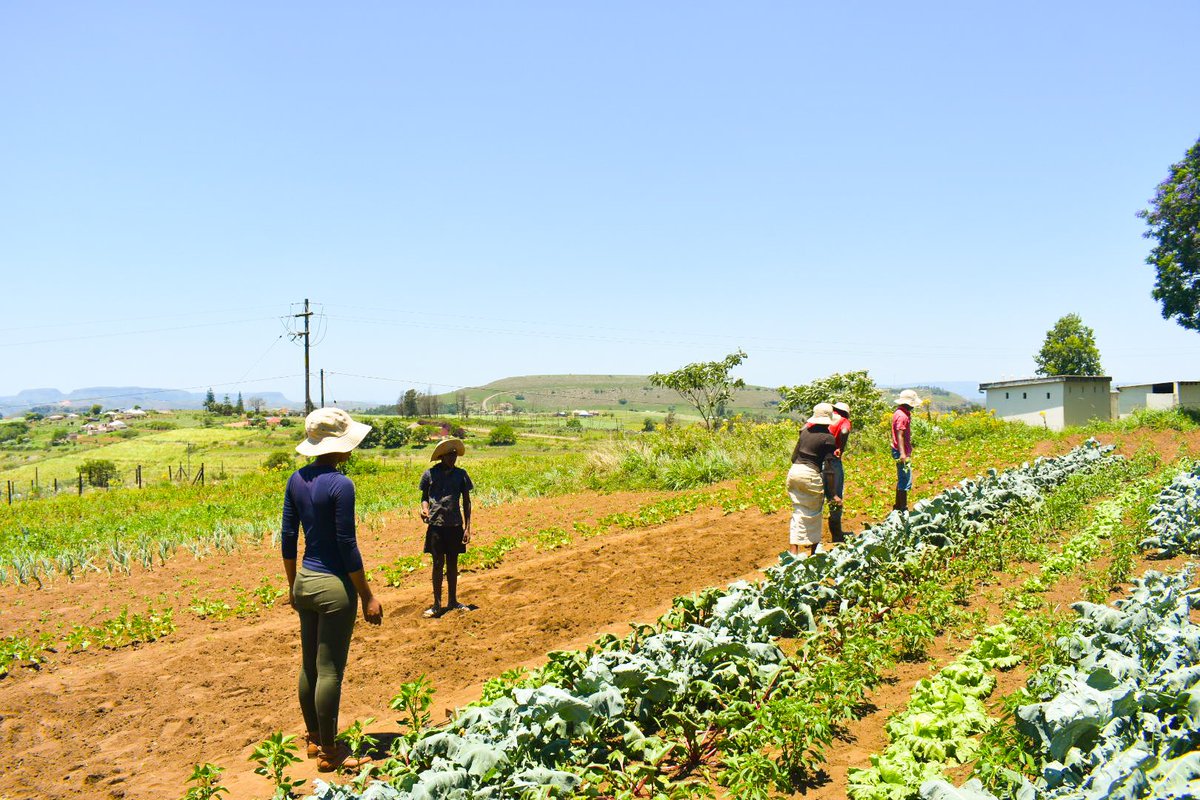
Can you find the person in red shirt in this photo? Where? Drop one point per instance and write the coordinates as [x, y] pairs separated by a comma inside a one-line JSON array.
[[835, 476], [902, 445]]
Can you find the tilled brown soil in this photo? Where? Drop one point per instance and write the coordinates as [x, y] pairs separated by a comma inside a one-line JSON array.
[[129, 723]]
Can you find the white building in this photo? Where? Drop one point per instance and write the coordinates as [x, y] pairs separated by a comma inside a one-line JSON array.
[[1157, 396], [1055, 402]]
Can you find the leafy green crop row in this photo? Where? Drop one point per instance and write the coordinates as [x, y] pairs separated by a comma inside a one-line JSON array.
[[1122, 719], [704, 682]]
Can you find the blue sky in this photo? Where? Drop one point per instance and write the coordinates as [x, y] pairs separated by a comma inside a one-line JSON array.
[[470, 191]]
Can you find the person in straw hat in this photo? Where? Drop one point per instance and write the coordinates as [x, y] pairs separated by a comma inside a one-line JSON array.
[[805, 485], [330, 581], [902, 445], [446, 509]]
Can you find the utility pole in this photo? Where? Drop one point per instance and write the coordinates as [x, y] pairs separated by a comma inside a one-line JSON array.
[[322, 388], [307, 315]]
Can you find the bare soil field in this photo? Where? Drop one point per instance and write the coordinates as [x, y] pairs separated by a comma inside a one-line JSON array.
[[129, 723]]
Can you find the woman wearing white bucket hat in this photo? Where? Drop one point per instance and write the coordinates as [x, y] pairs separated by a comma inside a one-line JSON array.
[[902, 446], [805, 484], [330, 579]]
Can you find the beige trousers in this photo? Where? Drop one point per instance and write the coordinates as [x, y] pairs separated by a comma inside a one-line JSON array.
[[807, 491]]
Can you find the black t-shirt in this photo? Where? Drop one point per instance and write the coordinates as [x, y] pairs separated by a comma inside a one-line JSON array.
[[814, 446], [443, 488]]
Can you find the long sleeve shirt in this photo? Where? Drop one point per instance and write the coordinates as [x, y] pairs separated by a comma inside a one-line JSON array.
[[902, 432], [321, 500]]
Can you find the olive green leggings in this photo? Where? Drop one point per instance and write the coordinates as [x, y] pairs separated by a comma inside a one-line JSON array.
[[327, 605]]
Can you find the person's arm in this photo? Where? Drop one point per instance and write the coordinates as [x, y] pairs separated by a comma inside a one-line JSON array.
[[425, 481], [466, 505], [908, 439], [372, 609], [289, 534]]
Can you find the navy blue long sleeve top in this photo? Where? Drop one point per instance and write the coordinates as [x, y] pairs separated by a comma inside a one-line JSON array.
[[321, 499]]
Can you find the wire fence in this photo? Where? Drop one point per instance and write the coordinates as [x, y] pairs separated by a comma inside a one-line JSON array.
[[40, 488]]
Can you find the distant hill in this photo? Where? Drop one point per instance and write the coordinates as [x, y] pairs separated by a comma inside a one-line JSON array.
[[125, 397], [535, 393]]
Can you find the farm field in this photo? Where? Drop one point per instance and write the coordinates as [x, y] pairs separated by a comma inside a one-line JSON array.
[[130, 721]]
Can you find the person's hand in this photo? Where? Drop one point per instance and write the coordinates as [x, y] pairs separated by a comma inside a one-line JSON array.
[[372, 610], [424, 517], [836, 501], [467, 535]]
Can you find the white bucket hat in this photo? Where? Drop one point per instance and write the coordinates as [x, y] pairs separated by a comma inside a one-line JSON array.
[[908, 398], [330, 430], [822, 415], [843, 407], [445, 446]]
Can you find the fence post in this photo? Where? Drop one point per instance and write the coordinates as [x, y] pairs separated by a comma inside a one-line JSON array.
[[81, 484], [56, 485], [8, 485], [139, 476], [170, 475], [35, 477]]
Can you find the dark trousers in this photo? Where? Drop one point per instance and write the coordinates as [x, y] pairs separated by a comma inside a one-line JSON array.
[[328, 606]]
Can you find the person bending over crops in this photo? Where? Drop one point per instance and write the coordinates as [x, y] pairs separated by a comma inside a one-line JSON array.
[[446, 509], [832, 471], [805, 484], [330, 578], [902, 446]]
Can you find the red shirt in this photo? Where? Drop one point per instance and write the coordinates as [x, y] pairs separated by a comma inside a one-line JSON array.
[[841, 432], [902, 432]]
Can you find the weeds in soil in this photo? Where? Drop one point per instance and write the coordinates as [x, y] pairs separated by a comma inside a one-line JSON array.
[[207, 783], [273, 756]]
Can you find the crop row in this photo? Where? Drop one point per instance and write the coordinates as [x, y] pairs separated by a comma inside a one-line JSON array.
[[712, 672], [1122, 718]]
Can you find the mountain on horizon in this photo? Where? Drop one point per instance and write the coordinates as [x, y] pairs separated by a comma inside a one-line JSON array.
[[124, 397]]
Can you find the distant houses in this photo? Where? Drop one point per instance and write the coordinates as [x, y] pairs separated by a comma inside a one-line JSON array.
[[1157, 396], [1060, 401], [1053, 402]]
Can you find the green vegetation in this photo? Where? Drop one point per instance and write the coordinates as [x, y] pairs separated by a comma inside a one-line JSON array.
[[1069, 349], [706, 385], [1174, 221]]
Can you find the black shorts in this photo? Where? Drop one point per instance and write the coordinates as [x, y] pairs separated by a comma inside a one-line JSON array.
[[444, 539]]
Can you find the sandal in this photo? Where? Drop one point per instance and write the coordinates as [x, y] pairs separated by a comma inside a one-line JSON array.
[[433, 612], [339, 758], [312, 745], [459, 607]]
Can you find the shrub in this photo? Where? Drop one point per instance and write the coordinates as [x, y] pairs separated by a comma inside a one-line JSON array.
[[12, 431], [648, 425], [98, 472], [503, 434], [574, 424], [160, 425], [279, 461]]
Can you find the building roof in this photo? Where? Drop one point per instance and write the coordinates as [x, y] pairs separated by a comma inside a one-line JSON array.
[[1043, 379], [1154, 383]]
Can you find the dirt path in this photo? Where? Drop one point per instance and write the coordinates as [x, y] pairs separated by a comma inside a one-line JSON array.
[[130, 723]]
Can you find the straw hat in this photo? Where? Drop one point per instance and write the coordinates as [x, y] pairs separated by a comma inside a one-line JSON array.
[[445, 446], [330, 430], [842, 407], [822, 415], [908, 398]]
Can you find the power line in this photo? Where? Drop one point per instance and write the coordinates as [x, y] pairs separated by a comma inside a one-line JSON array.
[[94, 335]]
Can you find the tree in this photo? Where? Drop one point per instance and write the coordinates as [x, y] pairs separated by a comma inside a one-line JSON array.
[[706, 385], [503, 435], [460, 402], [408, 406], [240, 408], [1174, 221], [96, 409], [210, 400], [258, 404], [427, 403], [98, 472], [856, 389], [1069, 349]]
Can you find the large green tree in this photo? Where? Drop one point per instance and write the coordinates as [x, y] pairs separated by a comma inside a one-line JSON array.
[[706, 385], [856, 389], [1069, 349], [1174, 220]]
